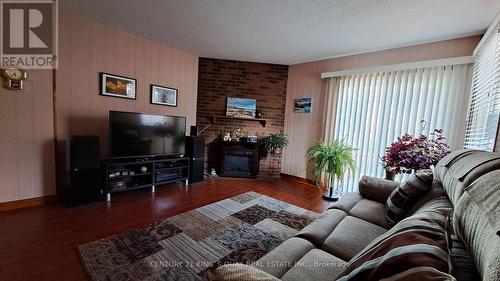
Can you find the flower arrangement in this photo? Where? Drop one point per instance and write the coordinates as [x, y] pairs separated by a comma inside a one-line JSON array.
[[409, 153]]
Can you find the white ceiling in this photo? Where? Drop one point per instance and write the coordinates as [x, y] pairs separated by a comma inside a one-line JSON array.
[[290, 31]]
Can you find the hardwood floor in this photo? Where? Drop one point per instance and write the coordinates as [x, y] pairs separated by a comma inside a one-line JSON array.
[[39, 243]]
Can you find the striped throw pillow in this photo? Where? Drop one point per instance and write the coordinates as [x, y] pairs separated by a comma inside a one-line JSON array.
[[407, 193], [415, 249]]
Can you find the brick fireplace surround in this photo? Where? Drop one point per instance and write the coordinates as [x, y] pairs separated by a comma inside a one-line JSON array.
[[219, 79]]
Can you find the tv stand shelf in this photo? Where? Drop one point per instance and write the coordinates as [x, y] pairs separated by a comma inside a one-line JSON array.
[[132, 174]]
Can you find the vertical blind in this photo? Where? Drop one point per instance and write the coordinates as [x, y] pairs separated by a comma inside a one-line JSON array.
[[373, 109], [484, 106]]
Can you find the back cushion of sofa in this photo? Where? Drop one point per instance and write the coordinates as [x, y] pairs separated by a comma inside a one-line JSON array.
[[438, 203], [459, 169], [476, 222]]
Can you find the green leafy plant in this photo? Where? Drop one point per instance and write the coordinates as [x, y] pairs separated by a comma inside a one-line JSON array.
[[333, 158], [275, 141]]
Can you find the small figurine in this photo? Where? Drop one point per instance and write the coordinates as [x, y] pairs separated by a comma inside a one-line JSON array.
[[213, 173]]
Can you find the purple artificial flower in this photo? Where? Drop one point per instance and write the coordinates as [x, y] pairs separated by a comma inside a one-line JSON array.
[[409, 153]]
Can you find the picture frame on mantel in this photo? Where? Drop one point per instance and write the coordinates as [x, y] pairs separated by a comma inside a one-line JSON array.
[[117, 86], [164, 95]]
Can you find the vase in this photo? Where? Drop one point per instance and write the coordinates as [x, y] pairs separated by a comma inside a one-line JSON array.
[[389, 175]]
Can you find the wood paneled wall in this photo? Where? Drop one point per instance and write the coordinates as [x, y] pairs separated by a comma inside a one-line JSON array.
[[87, 48], [304, 81], [27, 139], [27, 118]]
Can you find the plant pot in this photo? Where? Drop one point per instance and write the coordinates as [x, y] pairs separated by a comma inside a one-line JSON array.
[[389, 175], [278, 151]]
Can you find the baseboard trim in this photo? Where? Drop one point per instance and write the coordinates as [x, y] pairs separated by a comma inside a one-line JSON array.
[[31, 202], [297, 179]]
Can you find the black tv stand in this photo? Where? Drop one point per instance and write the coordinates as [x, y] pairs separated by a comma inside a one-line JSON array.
[[122, 175]]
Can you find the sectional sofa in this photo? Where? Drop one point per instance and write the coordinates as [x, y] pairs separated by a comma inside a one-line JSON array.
[[466, 181]]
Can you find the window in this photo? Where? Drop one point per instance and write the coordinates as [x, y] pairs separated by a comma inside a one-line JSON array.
[[373, 109], [484, 105]]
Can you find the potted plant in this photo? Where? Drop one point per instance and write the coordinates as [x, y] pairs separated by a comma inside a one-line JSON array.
[[333, 158], [275, 142], [389, 175], [409, 154]]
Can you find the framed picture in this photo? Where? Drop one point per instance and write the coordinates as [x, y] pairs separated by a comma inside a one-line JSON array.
[[163, 95], [117, 86], [302, 105], [243, 108]]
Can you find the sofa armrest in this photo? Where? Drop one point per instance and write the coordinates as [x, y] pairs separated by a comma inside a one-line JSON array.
[[376, 189]]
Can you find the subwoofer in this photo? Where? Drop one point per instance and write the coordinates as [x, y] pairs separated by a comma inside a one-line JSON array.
[[85, 170], [195, 150]]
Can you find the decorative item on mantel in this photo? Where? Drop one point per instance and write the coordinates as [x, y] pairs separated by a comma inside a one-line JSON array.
[[409, 154], [258, 113], [238, 134]]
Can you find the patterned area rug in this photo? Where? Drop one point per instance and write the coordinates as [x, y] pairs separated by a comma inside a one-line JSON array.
[[185, 247]]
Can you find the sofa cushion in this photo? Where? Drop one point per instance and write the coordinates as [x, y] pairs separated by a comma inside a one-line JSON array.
[[407, 193], [347, 202], [439, 203], [371, 211], [317, 231], [350, 237], [459, 169], [376, 189], [412, 250], [315, 265], [282, 258], [476, 222], [239, 272], [462, 263]]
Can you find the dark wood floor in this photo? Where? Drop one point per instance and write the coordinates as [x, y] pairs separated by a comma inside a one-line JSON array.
[[39, 243]]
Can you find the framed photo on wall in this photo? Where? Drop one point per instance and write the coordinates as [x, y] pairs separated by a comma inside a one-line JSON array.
[[163, 95], [117, 86], [302, 105], [242, 108]]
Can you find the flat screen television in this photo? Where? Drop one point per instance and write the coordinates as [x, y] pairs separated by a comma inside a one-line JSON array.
[[143, 135]]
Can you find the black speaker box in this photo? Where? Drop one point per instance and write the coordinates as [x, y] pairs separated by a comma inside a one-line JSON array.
[[85, 170], [195, 150], [194, 131]]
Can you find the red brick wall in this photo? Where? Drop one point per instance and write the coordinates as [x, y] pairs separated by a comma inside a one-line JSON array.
[[219, 79]]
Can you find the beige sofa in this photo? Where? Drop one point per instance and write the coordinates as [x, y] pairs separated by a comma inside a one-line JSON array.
[[468, 181]]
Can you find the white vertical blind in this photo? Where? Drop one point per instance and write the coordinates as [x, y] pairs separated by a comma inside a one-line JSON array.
[[484, 105], [373, 109]]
